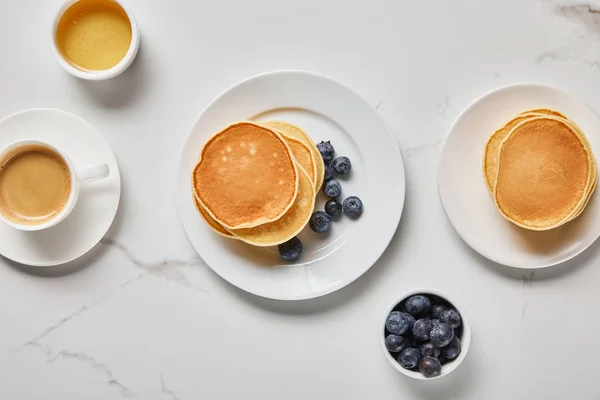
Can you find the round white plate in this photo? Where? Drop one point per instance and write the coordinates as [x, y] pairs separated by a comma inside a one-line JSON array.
[[326, 110], [467, 201], [98, 201]]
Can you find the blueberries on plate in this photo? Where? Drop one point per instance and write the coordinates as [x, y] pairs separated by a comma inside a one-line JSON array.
[[422, 329], [333, 207], [341, 165], [320, 222], [409, 358], [352, 206], [291, 250], [436, 309], [328, 173], [430, 366], [441, 334], [451, 317], [418, 305], [327, 151], [333, 189], [395, 343], [429, 349], [452, 350], [396, 323]]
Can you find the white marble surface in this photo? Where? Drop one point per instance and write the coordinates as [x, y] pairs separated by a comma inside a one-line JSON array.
[[142, 317]]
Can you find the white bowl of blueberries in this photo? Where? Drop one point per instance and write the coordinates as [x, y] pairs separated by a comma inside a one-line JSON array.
[[425, 336]]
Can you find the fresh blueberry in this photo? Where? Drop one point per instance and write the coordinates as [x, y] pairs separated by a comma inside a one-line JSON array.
[[341, 165], [320, 222], [429, 349], [435, 322], [395, 343], [436, 309], [430, 367], [352, 206], [409, 358], [411, 321], [422, 329], [326, 149], [418, 305], [452, 350], [451, 317], [442, 358], [328, 173], [396, 323], [291, 249], [441, 334], [333, 208], [332, 189]]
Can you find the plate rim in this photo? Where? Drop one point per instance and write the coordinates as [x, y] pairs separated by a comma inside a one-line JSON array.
[[478, 100], [401, 188], [83, 121]]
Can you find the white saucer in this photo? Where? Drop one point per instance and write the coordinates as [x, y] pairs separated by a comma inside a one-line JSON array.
[[327, 110], [465, 196], [98, 201]]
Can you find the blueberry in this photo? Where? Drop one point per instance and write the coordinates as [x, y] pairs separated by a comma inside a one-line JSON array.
[[326, 150], [396, 323], [409, 358], [436, 309], [451, 317], [441, 334], [333, 208], [452, 350], [430, 367], [320, 222], [332, 189], [328, 173], [422, 329], [395, 343], [291, 249], [435, 322], [429, 349], [352, 206], [418, 305], [341, 165], [411, 320]]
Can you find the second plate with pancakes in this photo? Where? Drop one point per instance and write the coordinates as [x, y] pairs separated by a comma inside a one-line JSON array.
[[534, 205], [298, 109]]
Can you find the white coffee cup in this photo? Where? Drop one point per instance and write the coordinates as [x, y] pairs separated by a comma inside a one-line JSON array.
[[78, 177]]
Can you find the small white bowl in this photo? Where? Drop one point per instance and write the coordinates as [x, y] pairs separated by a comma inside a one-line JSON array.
[[101, 74], [465, 339]]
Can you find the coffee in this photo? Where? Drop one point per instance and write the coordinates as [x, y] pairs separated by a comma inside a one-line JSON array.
[[35, 185]]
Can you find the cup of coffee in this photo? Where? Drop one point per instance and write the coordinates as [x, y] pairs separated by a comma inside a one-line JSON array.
[[39, 186]]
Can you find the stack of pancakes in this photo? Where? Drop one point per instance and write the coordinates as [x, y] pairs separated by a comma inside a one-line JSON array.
[[540, 170], [257, 182]]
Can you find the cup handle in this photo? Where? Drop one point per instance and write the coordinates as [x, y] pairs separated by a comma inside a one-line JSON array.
[[92, 173]]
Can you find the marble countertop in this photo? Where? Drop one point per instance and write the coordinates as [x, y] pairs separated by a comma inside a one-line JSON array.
[[142, 317]]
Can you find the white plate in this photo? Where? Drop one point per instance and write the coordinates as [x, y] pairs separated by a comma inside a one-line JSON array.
[[98, 201], [327, 110], [465, 196]]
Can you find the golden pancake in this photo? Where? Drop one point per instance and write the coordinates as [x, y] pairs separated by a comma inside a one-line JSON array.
[[490, 157], [292, 131], [289, 225], [246, 176], [544, 173], [217, 227], [302, 154]]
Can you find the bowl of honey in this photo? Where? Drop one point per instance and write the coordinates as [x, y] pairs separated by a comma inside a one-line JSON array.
[[95, 39]]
